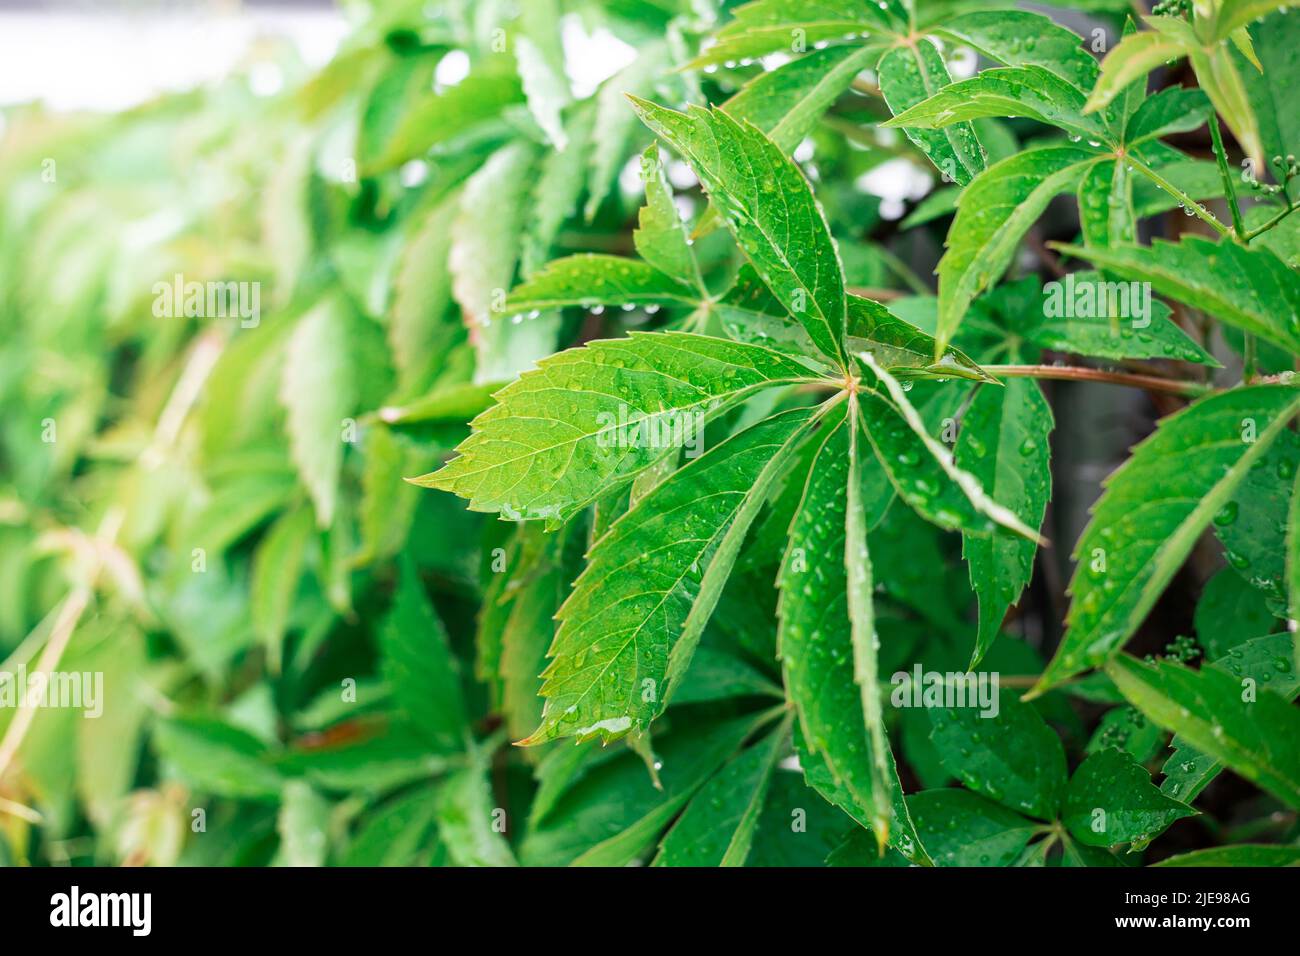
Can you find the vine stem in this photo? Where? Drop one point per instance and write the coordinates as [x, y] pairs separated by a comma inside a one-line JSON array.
[[1185, 200], [1070, 373]]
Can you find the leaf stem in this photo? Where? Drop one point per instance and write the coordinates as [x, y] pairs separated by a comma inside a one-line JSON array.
[[1152, 383], [1186, 201], [1229, 190], [1290, 208]]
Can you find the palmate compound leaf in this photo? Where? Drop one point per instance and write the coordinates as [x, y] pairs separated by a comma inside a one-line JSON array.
[[629, 627], [993, 214], [1249, 288], [770, 209], [827, 644], [1004, 443], [1248, 727], [591, 418], [1152, 512]]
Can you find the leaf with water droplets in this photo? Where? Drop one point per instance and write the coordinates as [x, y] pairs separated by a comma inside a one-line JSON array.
[[1004, 443], [820, 658], [590, 419], [769, 207], [1242, 854], [1152, 512], [1010, 755], [1250, 728], [993, 214], [592, 280], [660, 236], [1247, 287], [784, 26], [963, 829], [1111, 800], [630, 626]]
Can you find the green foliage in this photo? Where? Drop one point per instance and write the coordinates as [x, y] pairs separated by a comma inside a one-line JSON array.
[[602, 479]]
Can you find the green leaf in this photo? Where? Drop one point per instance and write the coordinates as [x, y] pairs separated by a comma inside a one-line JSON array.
[[791, 26], [485, 251], [1106, 213], [1152, 512], [1111, 800], [629, 627], [1252, 524], [913, 74], [923, 469], [419, 667], [1229, 612], [1264, 660], [1276, 42], [420, 329], [1249, 288], [616, 125], [789, 242], [443, 117], [217, 758], [467, 819], [660, 237], [1029, 91], [1074, 318], [1133, 57], [993, 214], [1021, 38], [717, 827], [591, 418], [1003, 443], [786, 103], [303, 826], [1173, 110], [559, 186], [1257, 738], [1244, 854], [1234, 14], [540, 60], [319, 392], [591, 280], [1010, 756], [277, 569], [398, 833], [961, 828], [820, 657]]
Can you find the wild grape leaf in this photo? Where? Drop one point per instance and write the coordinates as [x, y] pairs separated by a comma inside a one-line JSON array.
[[1247, 287], [963, 829], [419, 666], [1234, 14], [592, 281], [397, 833], [1106, 214], [1253, 731], [1012, 757], [1112, 800], [993, 214], [591, 418], [217, 758], [1252, 525], [1029, 91], [420, 330], [718, 825], [1153, 510], [1271, 90], [540, 60], [1228, 612], [628, 629], [769, 207], [1133, 57], [319, 391], [816, 643], [912, 74], [1173, 110], [560, 183], [792, 26], [1003, 443], [303, 826]]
